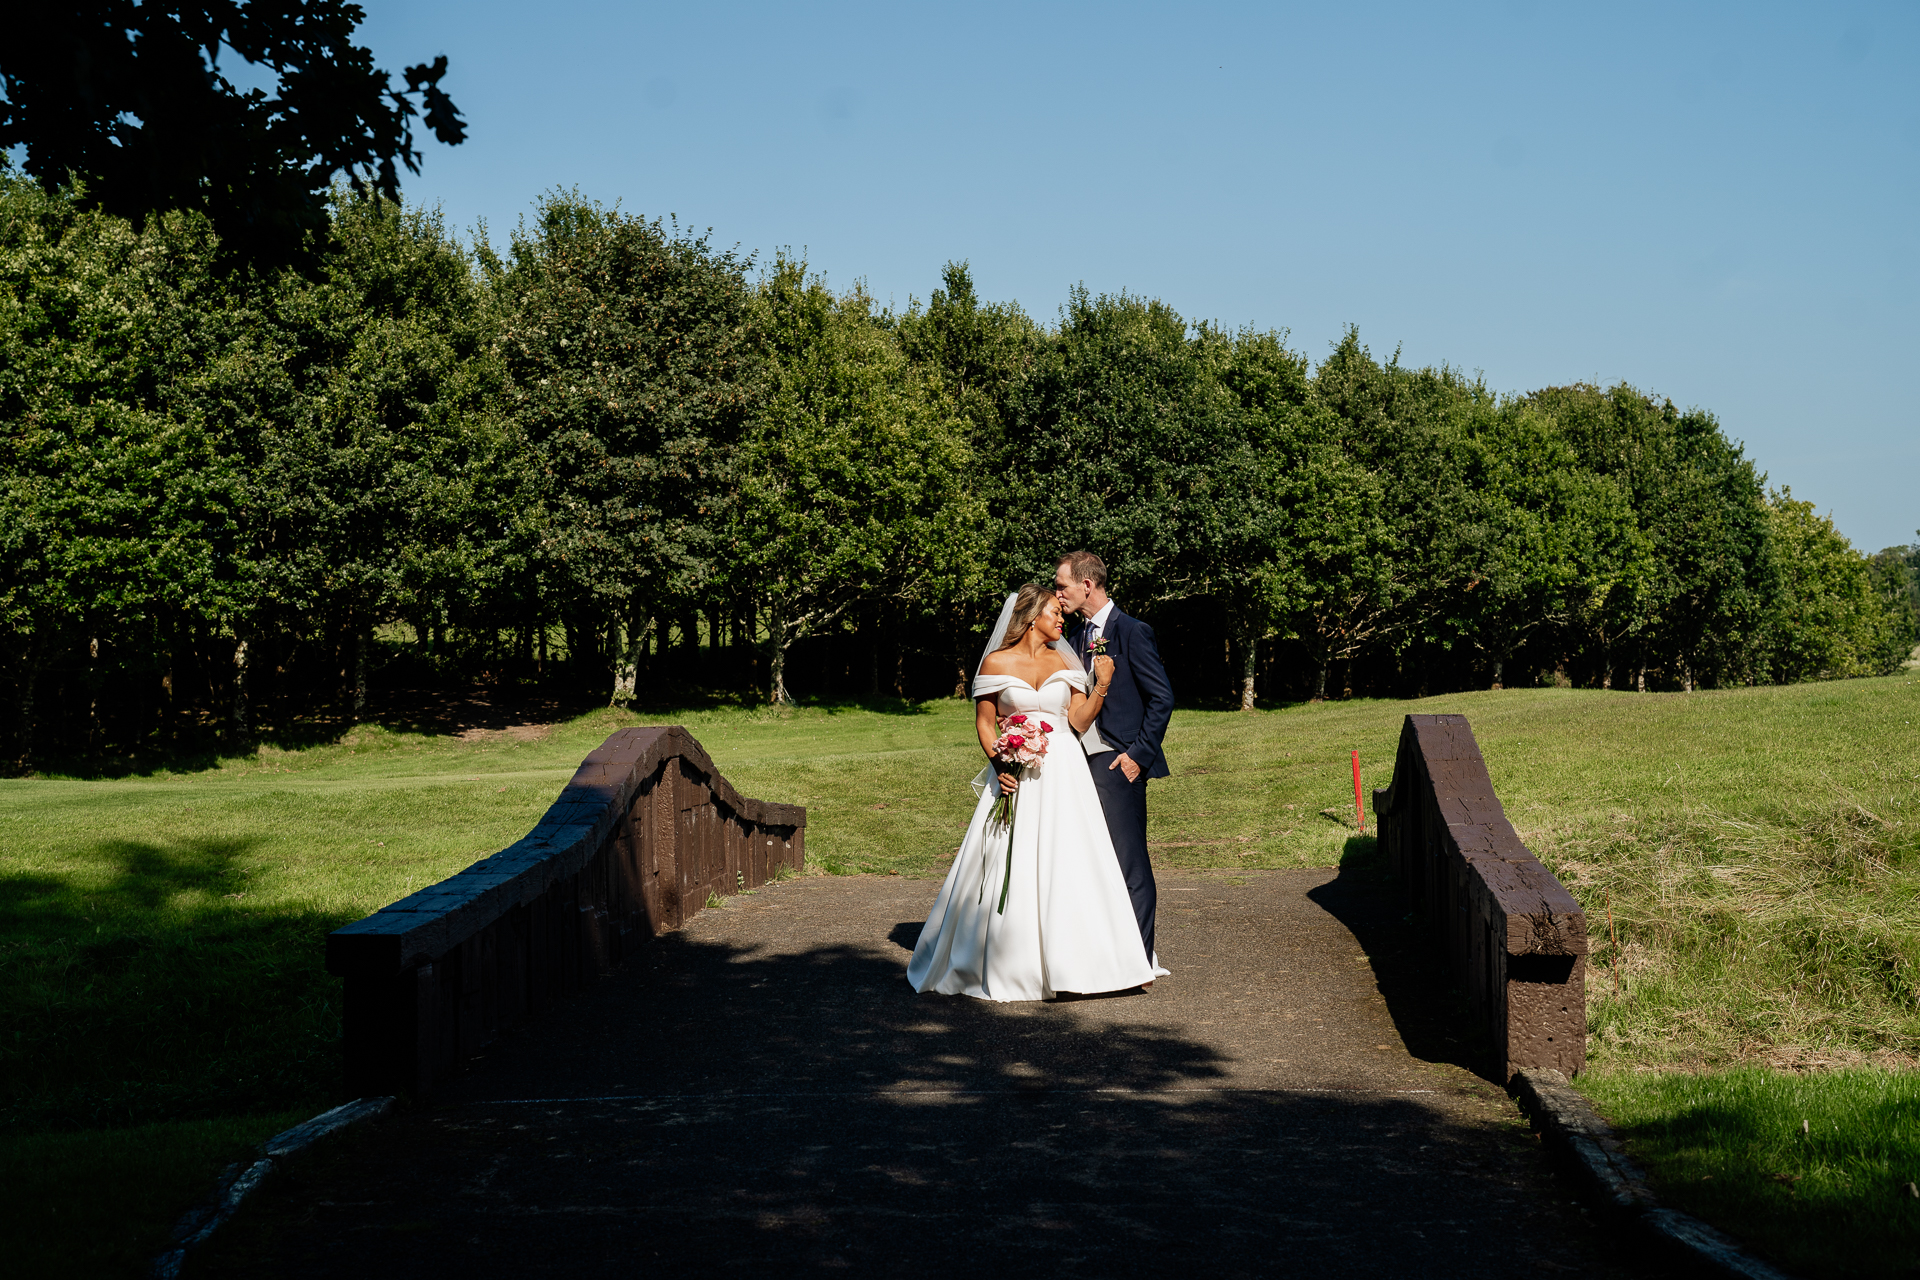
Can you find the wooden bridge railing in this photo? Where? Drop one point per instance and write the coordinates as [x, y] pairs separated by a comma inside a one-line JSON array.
[[1510, 934], [643, 833]]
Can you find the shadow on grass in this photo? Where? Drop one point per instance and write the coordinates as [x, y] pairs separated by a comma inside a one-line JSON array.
[[1430, 1015], [879, 706], [445, 711], [431, 710], [719, 1106], [160, 993]]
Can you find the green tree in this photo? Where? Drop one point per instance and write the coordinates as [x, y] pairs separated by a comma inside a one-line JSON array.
[[374, 483], [635, 369], [1244, 542], [856, 479], [1538, 538], [1699, 506], [1829, 619], [1115, 430], [982, 351], [115, 512], [1896, 576], [982, 354], [1346, 553], [1385, 568]]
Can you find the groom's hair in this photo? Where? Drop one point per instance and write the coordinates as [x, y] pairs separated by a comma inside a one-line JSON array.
[[1084, 566]]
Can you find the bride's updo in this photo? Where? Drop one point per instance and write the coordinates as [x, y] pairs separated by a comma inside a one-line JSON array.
[[1027, 605]]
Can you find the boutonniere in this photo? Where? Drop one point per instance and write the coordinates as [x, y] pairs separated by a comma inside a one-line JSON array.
[[1098, 649]]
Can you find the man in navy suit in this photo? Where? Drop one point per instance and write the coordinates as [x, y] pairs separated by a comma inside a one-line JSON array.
[[1123, 743]]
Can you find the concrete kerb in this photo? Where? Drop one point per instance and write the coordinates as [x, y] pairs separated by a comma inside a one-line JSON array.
[[1568, 1123], [240, 1181]]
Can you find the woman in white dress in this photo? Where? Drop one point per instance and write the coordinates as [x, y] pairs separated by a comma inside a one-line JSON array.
[[1068, 924]]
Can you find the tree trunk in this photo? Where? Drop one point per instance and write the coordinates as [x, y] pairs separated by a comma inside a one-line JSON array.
[[1499, 665], [1249, 663], [1686, 677], [1640, 679], [777, 636], [626, 680], [1320, 683], [93, 692], [873, 657], [29, 677], [242, 728], [166, 698], [361, 640]]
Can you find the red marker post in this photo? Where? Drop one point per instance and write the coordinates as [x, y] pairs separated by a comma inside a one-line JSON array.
[[1358, 809]]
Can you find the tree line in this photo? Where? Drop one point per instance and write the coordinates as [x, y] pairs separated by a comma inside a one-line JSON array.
[[616, 458]]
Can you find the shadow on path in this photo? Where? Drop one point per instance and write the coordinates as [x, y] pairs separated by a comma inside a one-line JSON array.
[[1429, 1014], [763, 1094]]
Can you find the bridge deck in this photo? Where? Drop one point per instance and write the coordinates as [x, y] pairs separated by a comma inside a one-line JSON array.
[[762, 1091]]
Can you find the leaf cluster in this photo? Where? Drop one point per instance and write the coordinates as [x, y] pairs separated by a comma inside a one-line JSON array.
[[130, 98]]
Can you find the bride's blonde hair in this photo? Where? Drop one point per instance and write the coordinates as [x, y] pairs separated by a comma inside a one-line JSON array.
[[1027, 605]]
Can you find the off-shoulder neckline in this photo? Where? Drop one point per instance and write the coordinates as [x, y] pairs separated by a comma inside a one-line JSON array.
[[1036, 688]]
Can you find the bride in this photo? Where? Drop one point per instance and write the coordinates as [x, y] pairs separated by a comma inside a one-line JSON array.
[[1068, 924]]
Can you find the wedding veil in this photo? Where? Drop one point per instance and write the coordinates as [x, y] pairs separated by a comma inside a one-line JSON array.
[[999, 633]]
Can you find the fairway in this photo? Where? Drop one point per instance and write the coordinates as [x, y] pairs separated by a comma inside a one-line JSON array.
[[162, 934]]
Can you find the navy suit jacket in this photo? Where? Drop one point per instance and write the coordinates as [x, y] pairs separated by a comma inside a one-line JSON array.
[[1140, 699]]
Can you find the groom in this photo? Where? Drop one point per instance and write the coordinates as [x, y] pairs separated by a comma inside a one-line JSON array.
[[1123, 743]]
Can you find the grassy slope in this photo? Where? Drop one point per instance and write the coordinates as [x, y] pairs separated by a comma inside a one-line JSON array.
[[159, 955]]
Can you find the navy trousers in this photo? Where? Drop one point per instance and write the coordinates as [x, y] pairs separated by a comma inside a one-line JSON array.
[[1125, 804]]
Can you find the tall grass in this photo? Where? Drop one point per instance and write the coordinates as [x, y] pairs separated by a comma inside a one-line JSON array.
[[1790, 937]]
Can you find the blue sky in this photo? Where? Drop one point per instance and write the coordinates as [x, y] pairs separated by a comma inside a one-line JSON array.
[[1714, 202]]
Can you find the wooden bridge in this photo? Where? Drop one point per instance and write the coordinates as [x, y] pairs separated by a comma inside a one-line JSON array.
[[758, 1088]]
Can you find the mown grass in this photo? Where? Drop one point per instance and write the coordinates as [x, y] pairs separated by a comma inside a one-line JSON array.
[[1821, 1172], [160, 936]]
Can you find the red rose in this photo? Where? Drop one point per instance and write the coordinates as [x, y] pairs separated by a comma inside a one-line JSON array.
[[1045, 727], [1015, 742], [1019, 719]]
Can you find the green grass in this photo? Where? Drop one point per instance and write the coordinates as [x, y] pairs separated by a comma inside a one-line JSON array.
[[102, 1202], [1834, 1199], [160, 936]]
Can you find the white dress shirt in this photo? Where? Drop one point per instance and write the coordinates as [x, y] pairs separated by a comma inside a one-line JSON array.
[[1096, 627]]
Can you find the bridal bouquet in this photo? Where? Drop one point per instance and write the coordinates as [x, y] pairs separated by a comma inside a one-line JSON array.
[[1021, 745]]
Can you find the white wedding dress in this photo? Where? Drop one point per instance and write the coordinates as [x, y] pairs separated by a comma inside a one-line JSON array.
[[1069, 924]]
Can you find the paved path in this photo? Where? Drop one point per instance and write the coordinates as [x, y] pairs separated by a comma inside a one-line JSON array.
[[763, 1093]]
